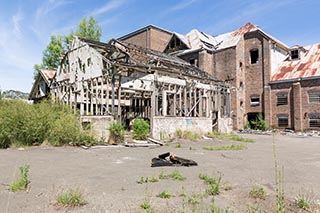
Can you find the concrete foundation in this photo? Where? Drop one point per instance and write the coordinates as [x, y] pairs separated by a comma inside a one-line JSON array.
[[99, 125], [165, 127]]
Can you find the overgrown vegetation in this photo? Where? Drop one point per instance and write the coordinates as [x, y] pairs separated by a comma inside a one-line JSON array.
[[302, 202], [214, 184], [22, 124], [230, 137], [164, 194], [117, 132], [225, 147], [176, 175], [23, 180], [186, 134], [141, 129], [70, 198], [259, 123], [257, 193], [146, 205], [147, 180]]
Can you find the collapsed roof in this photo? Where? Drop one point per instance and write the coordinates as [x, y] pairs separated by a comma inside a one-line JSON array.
[[196, 40]]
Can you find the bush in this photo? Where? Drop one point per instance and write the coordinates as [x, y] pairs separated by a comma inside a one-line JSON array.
[[259, 123], [116, 133], [141, 129], [23, 124]]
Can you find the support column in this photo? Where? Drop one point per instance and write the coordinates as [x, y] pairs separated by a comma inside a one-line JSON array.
[[268, 105], [297, 107], [164, 103]]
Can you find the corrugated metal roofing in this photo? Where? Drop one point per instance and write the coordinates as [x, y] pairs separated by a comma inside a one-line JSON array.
[[48, 74], [307, 66]]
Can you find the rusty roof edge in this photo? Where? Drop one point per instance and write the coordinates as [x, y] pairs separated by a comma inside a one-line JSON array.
[[292, 80]]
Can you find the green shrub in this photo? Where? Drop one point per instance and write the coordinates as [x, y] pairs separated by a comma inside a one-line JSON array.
[[259, 123], [116, 133], [257, 193], [164, 194], [141, 129], [23, 181], [22, 124]]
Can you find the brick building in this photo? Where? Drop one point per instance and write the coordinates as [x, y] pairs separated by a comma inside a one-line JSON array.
[[259, 67]]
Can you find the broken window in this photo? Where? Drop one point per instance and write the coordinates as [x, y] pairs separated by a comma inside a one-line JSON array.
[[193, 62], [254, 101], [254, 56], [294, 54], [282, 99], [283, 120], [314, 120], [314, 97]]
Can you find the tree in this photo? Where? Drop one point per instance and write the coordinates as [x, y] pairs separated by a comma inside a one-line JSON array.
[[51, 55], [88, 29], [58, 44]]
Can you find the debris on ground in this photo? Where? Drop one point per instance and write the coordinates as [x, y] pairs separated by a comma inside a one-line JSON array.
[[170, 159], [150, 142]]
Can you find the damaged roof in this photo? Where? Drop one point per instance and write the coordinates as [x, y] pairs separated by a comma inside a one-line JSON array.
[[307, 66], [196, 40], [47, 75], [147, 59]]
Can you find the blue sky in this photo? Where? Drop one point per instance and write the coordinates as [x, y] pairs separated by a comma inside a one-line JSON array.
[[26, 25]]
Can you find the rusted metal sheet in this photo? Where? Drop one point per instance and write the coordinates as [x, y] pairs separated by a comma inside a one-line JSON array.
[[307, 66]]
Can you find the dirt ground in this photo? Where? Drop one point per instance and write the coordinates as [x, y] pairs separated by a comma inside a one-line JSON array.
[[108, 176]]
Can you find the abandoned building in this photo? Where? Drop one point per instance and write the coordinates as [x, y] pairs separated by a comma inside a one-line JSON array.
[[195, 81], [259, 68], [41, 86], [124, 81]]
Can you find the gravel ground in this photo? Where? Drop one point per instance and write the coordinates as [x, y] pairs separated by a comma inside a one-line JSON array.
[[108, 176]]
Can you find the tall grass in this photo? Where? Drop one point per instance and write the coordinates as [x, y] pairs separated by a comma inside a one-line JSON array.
[[22, 124]]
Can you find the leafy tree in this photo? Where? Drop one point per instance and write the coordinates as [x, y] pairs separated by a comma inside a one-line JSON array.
[[58, 44], [51, 55], [88, 29]]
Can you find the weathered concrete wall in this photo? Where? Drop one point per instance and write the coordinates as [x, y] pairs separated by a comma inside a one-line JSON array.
[[225, 125], [99, 125], [165, 127]]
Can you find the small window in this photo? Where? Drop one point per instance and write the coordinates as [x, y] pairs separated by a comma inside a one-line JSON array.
[[254, 56], [283, 120], [294, 54], [282, 99], [255, 101], [314, 120], [193, 62], [314, 97]]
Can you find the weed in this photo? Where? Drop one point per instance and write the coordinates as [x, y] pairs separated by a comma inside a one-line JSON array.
[[177, 145], [23, 181], [117, 132], [186, 134], [183, 193], [146, 205], [257, 193], [214, 184], [215, 209], [70, 198], [193, 201], [230, 137], [227, 187], [225, 148], [164, 194], [141, 129], [176, 175], [147, 180], [279, 178], [302, 202]]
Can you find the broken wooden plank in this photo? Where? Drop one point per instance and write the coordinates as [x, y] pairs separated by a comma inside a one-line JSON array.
[[155, 141]]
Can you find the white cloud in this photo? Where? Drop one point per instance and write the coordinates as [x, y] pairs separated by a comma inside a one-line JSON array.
[[182, 5], [16, 19], [48, 7], [111, 5]]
